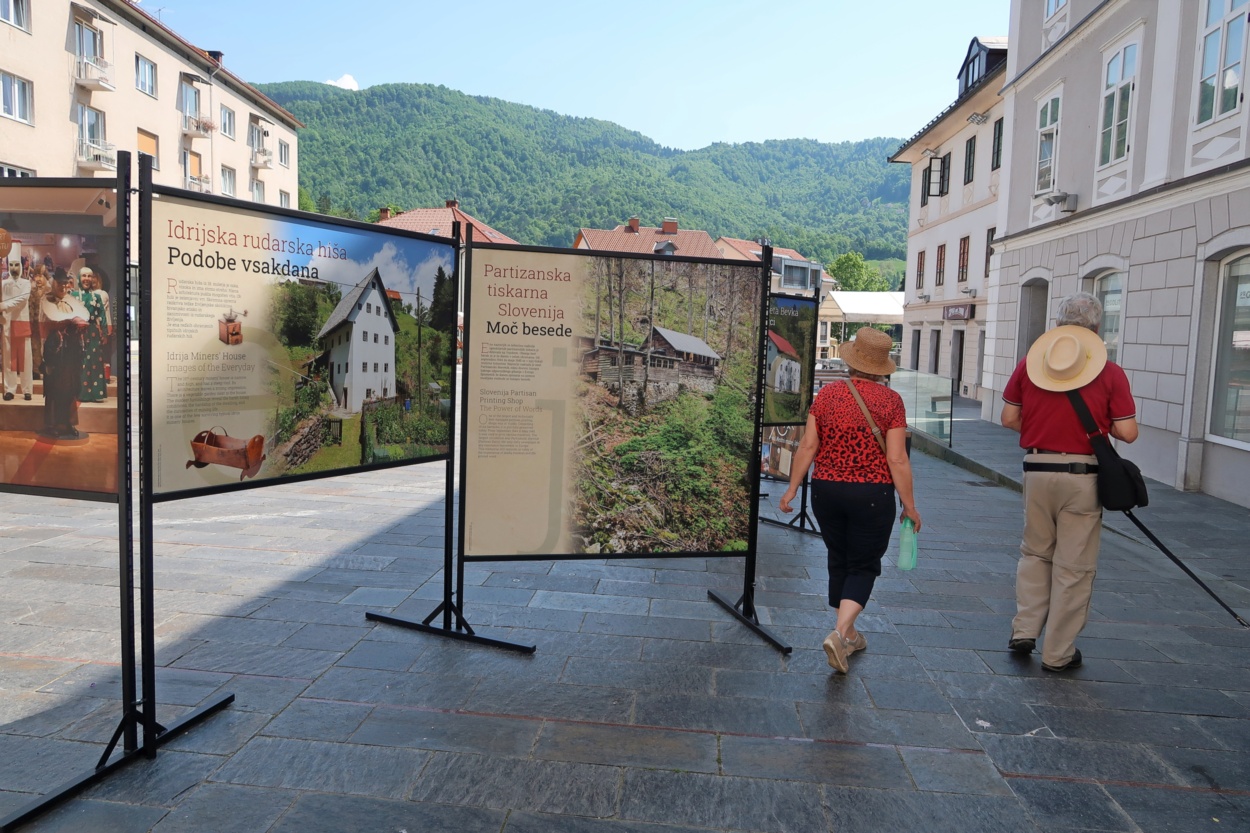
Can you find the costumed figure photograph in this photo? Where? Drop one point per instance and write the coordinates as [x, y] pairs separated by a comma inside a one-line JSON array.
[[64, 320], [856, 435], [95, 337], [15, 350], [1062, 513]]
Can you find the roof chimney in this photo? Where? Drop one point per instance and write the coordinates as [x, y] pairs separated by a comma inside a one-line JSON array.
[[633, 224], [384, 213], [453, 203], [216, 56], [669, 226]]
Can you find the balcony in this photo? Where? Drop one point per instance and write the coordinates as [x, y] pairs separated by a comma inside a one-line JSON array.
[[197, 127], [198, 183], [262, 159], [96, 156], [93, 73]]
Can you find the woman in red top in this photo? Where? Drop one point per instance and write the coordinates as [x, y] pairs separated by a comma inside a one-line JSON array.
[[854, 482]]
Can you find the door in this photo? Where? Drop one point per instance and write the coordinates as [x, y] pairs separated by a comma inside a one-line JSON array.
[[957, 356], [935, 350], [1033, 314]]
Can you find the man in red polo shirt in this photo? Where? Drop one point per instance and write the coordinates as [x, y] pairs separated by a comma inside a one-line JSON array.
[[1062, 515]]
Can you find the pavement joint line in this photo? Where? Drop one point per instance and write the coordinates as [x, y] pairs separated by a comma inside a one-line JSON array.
[[1114, 782]]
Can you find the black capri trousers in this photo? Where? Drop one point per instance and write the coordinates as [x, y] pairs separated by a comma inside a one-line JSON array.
[[856, 520]]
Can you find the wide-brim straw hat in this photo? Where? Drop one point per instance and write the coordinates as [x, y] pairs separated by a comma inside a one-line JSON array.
[[869, 352], [1066, 358]]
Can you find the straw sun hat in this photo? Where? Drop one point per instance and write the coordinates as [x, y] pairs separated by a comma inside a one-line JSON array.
[[1066, 358], [869, 352]]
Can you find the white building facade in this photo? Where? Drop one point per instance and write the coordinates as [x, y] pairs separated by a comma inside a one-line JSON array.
[[1128, 175], [82, 80], [359, 337], [956, 163]]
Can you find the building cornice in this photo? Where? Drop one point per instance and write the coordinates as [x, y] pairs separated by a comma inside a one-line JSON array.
[[1051, 56], [154, 28], [958, 106]]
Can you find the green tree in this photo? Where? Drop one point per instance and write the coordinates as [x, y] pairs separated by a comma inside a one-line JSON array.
[[305, 200], [443, 304], [853, 275]]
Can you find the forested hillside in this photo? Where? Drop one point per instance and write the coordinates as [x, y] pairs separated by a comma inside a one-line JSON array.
[[538, 176]]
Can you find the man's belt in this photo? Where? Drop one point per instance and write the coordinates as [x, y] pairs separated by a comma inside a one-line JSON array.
[[1065, 468]]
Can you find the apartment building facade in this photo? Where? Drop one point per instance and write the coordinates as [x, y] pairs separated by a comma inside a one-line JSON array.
[[1129, 176], [82, 80], [956, 163]]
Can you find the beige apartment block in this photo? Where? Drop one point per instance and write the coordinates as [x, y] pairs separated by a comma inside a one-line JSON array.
[[84, 80], [1128, 175], [956, 162]]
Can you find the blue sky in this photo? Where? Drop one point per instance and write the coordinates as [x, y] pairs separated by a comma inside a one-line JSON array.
[[685, 73]]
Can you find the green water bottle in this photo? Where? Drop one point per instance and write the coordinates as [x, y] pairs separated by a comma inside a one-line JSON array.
[[907, 546]]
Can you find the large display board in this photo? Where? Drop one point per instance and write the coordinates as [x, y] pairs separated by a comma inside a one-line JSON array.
[[285, 345], [608, 404], [62, 255], [789, 365]]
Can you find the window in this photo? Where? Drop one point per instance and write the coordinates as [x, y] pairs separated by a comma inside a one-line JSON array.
[[970, 158], [364, 336], [369, 308], [16, 12], [939, 268], [192, 167], [1047, 138], [944, 182], [375, 367], [90, 126], [189, 99], [255, 136], [1230, 405], [996, 152], [145, 75], [920, 270], [13, 170], [375, 338], [965, 244], [364, 367], [88, 43], [1117, 95], [796, 275], [227, 122], [284, 154], [1220, 70], [386, 340], [989, 249], [1109, 290], [284, 199], [258, 191], [18, 100], [386, 368], [925, 175], [1053, 6], [227, 181], [150, 144]]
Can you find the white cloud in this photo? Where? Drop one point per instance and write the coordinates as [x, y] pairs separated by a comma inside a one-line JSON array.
[[347, 82]]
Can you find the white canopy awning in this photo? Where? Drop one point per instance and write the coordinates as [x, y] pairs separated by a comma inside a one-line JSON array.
[[863, 307]]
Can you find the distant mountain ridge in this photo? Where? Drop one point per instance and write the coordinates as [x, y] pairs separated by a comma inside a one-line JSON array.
[[538, 176]]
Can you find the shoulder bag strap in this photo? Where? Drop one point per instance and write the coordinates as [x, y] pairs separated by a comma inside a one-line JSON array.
[[1092, 432], [859, 400]]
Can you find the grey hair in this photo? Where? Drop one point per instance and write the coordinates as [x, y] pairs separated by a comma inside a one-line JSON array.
[[1081, 309]]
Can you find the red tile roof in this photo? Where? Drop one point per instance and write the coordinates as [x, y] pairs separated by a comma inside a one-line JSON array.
[[688, 242], [782, 345], [437, 221], [737, 248]]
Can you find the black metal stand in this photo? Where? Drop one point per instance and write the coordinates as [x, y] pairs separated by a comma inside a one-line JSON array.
[[141, 711], [744, 611], [450, 606], [801, 521]]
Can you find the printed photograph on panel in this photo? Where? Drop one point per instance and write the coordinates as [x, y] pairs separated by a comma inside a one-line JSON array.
[[286, 346], [788, 367], [60, 298], [611, 406]]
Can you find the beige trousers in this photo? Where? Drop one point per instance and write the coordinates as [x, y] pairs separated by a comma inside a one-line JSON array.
[[1058, 555]]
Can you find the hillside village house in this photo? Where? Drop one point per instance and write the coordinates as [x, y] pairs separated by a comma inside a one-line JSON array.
[[784, 368], [82, 80], [956, 162], [668, 239], [359, 343]]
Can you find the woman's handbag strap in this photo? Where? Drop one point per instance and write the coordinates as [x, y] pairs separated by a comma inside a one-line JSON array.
[[859, 400]]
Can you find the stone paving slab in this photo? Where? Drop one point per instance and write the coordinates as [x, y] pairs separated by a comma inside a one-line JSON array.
[[646, 709]]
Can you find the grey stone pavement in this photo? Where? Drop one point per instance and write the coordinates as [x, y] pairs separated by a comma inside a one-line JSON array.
[[646, 709]]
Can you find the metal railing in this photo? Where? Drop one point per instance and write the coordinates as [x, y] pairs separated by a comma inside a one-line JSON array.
[[93, 71], [262, 158], [97, 155]]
